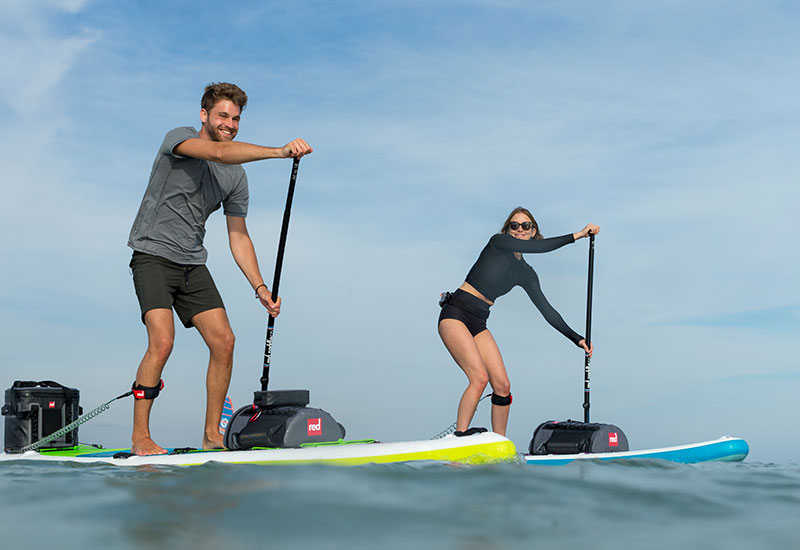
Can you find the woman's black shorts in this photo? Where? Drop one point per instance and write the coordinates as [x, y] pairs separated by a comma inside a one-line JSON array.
[[463, 306]]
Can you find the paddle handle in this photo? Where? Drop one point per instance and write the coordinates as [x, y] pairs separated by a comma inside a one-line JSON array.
[[587, 359], [276, 280]]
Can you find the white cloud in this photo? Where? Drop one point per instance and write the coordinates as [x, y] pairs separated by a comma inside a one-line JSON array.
[[38, 55]]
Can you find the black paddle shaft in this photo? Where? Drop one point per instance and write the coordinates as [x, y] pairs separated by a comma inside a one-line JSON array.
[[587, 359], [276, 280]]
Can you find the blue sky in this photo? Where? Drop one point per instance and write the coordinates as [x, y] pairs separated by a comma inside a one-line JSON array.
[[671, 125]]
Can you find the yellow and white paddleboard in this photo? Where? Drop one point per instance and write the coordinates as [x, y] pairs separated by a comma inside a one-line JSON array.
[[482, 448]]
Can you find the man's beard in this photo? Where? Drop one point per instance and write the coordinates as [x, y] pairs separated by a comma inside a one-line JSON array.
[[216, 135]]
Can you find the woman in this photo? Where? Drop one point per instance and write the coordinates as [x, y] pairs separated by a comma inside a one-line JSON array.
[[462, 322]]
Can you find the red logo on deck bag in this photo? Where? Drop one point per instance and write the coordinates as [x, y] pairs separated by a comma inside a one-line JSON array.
[[613, 439], [51, 404], [314, 426]]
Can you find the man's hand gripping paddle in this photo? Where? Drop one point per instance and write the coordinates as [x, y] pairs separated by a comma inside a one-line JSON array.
[[277, 278]]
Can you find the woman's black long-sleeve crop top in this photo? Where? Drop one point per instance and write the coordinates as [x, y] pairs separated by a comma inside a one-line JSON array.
[[497, 271]]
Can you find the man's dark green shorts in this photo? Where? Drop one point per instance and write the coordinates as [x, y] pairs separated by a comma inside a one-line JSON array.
[[161, 283]]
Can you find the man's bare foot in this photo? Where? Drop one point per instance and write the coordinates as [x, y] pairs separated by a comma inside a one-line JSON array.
[[144, 446], [215, 442]]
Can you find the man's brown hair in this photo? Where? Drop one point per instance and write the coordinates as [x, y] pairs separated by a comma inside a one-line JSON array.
[[217, 91]]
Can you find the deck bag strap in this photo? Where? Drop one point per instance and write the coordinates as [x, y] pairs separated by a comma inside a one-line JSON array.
[[280, 427], [43, 384], [571, 437]]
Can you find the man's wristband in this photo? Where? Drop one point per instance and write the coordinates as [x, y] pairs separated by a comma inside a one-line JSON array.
[[259, 286]]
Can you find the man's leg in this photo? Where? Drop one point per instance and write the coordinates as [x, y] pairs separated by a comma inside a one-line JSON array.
[[215, 329], [160, 338]]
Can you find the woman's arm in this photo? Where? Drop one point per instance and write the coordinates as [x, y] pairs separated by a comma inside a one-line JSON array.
[[534, 291], [504, 241]]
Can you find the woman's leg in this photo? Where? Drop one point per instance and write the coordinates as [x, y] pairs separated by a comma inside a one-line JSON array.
[[498, 378], [461, 345]]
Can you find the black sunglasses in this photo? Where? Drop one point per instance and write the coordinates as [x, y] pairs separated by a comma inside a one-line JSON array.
[[525, 225]]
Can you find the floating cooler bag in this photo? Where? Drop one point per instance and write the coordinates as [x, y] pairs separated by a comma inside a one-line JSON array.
[[34, 410], [571, 437]]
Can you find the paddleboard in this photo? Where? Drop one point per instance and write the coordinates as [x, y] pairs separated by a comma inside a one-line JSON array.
[[483, 448], [724, 449]]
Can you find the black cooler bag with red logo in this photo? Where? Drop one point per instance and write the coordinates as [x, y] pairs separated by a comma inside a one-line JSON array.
[[281, 419], [34, 410], [571, 437]]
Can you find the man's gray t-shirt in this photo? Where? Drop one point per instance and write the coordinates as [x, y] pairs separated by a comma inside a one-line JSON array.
[[181, 195]]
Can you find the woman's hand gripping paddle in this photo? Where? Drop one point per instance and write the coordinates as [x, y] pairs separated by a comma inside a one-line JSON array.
[[588, 357]]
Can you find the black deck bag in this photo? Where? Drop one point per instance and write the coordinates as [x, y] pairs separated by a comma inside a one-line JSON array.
[[34, 410], [571, 437], [284, 422]]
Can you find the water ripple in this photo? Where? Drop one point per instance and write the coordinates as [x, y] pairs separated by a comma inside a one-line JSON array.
[[637, 504]]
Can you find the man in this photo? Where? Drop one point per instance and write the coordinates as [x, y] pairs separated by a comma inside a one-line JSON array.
[[193, 174]]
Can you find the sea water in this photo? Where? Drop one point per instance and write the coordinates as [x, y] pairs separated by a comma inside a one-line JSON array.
[[628, 504]]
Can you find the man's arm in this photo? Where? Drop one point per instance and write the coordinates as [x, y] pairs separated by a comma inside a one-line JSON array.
[[237, 152], [245, 256]]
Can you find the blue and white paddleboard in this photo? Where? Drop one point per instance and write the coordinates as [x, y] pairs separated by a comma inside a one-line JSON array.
[[724, 449]]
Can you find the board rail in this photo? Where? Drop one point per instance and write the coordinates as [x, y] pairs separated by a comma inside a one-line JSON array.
[[723, 449]]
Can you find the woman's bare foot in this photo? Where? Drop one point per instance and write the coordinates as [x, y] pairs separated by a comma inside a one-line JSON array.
[[144, 446]]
